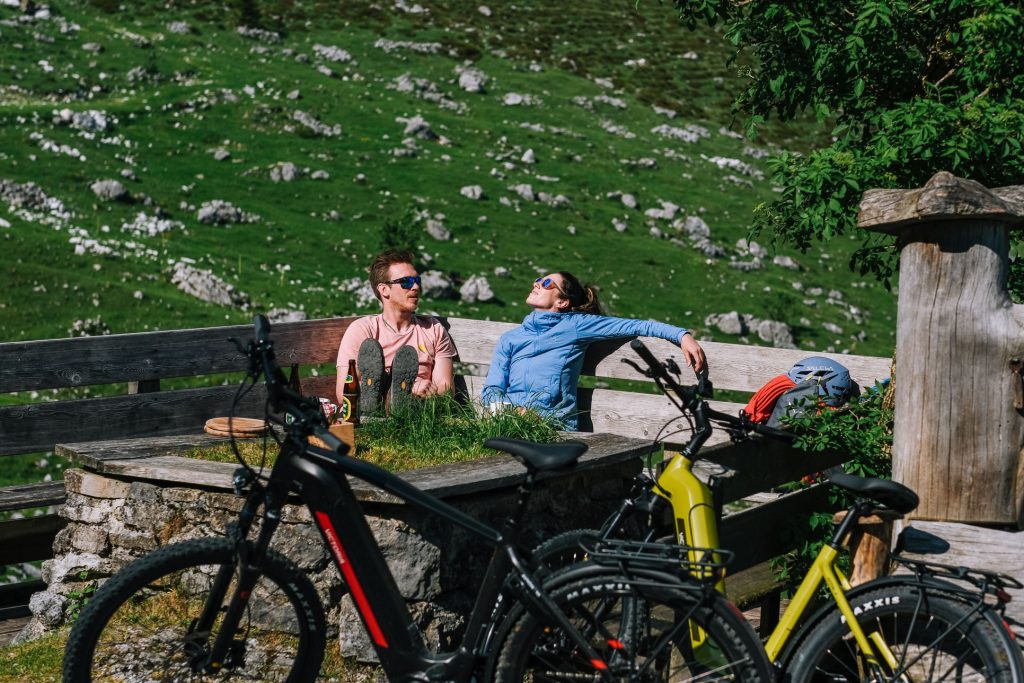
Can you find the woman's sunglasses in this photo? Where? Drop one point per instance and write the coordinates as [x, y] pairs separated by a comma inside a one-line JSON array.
[[547, 283], [406, 282]]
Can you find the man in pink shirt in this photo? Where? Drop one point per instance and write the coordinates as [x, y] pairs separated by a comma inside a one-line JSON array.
[[414, 351]]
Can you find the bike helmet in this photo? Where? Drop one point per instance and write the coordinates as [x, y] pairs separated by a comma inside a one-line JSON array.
[[832, 378]]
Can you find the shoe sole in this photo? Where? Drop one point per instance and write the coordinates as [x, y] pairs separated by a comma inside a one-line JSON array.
[[370, 365], [404, 369]]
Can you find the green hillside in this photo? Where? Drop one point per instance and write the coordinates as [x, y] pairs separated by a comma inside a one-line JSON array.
[[194, 111]]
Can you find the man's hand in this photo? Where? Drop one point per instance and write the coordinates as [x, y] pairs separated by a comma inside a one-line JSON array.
[[693, 353]]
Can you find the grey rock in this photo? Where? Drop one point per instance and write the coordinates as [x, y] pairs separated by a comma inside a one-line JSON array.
[[320, 175], [284, 171], [317, 127], [529, 157], [293, 95], [786, 262], [332, 53], [484, 10], [776, 333], [476, 288], [94, 48], [728, 323], [220, 212], [436, 229], [220, 154], [72, 564], [361, 291], [48, 608], [285, 315], [109, 190], [629, 201], [619, 225], [417, 126], [179, 27], [262, 35], [525, 191], [206, 286], [471, 79], [832, 328], [749, 248], [472, 192], [437, 285]]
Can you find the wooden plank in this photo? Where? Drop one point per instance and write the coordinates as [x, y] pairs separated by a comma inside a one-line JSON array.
[[473, 476], [31, 495], [737, 367], [758, 464], [757, 534], [750, 585], [11, 626], [157, 355], [28, 539], [94, 454], [39, 426], [965, 545]]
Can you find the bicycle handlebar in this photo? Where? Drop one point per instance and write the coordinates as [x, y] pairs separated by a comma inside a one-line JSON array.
[[306, 412], [692, 399]]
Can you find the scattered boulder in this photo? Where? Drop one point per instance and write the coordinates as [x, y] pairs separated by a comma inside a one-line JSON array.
[[786, 262], [525, 191], [776, 333], [284, 171], [690, 133], [472, 192], [221, 154], [110, 190], [436, 229], [179, 27], [285, 315], [620, 225], [48, 608], [320, 175], [529, 157], [437, 285], [471, 79], [417, 126], [315, 126], [90, 327], [361, 291], [206, 286], [332, 53], [262, 35], [220, 212], [476, 288]]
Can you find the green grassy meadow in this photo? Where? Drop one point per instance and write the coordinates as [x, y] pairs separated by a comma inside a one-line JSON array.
[[171, 99]]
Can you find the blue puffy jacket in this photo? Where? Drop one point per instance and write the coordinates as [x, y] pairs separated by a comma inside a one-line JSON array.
[[538, 364]]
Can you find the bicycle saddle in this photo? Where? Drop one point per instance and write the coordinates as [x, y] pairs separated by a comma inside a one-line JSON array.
[[890, 494], [540, 456]]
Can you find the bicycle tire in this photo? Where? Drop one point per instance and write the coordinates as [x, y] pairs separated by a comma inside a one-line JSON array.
[[135, 626], [934, 637], [560, 551], [533, 649]]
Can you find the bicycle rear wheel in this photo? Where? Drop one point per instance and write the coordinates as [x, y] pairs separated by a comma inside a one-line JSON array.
[[141, 624], [932, 636], [679, 634]]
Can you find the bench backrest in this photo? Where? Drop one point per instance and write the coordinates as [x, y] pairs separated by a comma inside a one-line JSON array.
[[147, 358]]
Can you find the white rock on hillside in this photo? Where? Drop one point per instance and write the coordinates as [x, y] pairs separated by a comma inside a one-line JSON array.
[[690, 133], [206, 286], [472, 192], [777, 333], [525, 191], [436, 229], [285, 315], [109, 190], [220, 212], [179, 27], [259, 34], [476, 288], [361, 291], [284, 171], [417, 126], [437, 285], [332, 53], [318, 127], [471, 79]]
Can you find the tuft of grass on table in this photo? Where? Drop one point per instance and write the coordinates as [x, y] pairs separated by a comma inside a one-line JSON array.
[[436, 430]]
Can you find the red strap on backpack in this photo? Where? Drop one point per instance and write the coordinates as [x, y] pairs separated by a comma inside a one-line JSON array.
[[761, 404]]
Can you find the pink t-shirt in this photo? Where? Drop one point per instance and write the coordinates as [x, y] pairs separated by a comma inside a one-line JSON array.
[[426, 335]]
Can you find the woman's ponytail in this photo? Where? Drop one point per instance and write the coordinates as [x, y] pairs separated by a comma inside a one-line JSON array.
[[582, 299]]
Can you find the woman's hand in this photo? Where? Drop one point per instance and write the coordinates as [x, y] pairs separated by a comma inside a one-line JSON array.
[[693, 353]]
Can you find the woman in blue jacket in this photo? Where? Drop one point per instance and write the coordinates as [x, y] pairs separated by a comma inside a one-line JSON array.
[[537, 365]]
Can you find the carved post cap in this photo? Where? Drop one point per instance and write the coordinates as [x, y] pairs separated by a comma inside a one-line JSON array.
[[944, 197]]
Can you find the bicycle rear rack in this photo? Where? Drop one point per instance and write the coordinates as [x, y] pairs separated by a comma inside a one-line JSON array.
[[707, 565], [992, 583]]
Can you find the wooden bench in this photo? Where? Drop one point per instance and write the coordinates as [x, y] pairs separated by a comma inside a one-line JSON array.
[[143, 361]]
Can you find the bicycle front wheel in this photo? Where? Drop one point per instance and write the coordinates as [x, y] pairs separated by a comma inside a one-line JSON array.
[[642, 629], [932, 637], [141, 625]]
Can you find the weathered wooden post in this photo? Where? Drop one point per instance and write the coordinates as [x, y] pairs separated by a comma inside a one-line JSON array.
[[959, 427]]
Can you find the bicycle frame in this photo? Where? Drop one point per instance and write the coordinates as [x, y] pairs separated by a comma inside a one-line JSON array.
[[318, 475], [696, 522]]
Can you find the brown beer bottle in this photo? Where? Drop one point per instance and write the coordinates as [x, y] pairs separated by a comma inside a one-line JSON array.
[[350, 396], [294, 383]]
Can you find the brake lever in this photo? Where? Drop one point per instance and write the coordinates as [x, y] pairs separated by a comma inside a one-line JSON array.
[[672, 366]]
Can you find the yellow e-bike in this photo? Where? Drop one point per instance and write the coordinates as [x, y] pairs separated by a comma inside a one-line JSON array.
[[914, 627]]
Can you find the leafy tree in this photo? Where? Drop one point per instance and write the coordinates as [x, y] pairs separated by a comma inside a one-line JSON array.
[[912, 87]]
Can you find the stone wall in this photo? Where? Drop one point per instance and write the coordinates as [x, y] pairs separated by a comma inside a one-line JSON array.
[[437, 566]]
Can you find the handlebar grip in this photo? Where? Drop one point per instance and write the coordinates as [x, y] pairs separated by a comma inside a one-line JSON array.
[[262, 328], [645, 353]]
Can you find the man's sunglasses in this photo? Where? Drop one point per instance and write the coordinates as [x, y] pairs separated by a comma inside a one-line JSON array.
[[406, 282]]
